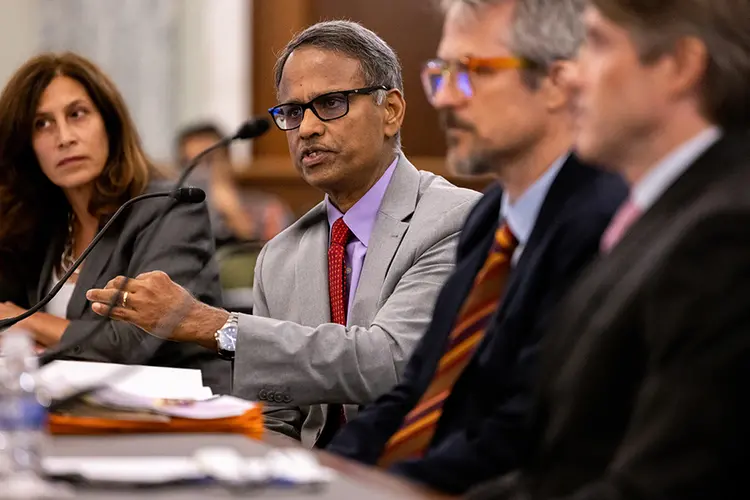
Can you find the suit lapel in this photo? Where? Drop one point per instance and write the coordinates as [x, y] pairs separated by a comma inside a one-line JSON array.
[[92, 268], [564, 185], [39, 289], [311, 284], [399, 203]]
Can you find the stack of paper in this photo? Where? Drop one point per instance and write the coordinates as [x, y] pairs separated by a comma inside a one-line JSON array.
[[141, 399], [61, 378]]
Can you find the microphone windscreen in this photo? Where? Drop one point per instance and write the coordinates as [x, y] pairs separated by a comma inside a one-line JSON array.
[[255, 127], [189, 195]]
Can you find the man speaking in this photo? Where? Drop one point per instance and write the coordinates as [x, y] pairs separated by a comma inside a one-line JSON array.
[[343, 295]]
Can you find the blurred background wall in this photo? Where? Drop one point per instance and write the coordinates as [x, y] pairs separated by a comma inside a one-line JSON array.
[[179, 61], [175, 61]]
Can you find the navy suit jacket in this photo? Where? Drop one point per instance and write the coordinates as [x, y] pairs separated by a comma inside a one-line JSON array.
[[484, 428]]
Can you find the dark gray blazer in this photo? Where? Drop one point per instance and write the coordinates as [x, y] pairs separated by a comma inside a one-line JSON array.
[[183, 249]]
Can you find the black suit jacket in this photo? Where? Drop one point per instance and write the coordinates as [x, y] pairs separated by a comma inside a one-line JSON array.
[[481, 432], [183, 249], [644, 393]]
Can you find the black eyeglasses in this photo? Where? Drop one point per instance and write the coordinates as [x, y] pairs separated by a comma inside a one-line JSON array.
[[326, 107]]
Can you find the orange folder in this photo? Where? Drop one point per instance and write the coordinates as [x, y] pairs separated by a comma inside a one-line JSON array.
[[249, 424]]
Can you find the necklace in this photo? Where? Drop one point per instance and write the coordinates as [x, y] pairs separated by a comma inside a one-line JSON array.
[[67, 260]]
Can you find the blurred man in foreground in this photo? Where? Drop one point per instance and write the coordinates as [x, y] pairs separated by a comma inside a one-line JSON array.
[[644, 387], [459, 415]]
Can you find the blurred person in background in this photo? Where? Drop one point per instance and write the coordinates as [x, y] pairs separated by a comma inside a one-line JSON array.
[[500, 83], [236, 214], [644, 388], [69, 158], [343, 295]]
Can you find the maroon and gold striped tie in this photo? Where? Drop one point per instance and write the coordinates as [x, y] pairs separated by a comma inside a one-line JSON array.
[[418, 427]]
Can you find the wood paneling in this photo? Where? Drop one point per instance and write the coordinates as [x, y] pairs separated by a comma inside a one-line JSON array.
[[412, 28], [274, 24]]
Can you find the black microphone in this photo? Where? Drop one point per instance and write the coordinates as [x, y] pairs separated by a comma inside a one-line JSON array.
[[252, 128], [255, 127], [188, 194], [182, 195]]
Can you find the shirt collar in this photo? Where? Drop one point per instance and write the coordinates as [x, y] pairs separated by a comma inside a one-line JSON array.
[[361, 217], [665, 173], [521, 215]]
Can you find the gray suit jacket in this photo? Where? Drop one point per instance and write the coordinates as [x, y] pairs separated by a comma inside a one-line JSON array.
[[183, 249], [291, 356]]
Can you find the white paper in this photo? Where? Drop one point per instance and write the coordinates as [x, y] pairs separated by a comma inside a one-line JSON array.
[[64, 377], [288, 466], [124, 469], [195, 408]]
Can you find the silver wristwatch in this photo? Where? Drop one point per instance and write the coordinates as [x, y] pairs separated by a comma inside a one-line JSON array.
[[226, 337]]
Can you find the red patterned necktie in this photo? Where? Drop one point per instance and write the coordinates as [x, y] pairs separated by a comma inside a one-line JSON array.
[[418, 427], [338, 293], [337, 286]]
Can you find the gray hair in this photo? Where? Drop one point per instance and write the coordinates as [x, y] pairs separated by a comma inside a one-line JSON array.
[[543, 31], [377, 60]]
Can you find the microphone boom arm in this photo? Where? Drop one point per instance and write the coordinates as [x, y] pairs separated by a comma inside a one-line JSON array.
[[7, 323]]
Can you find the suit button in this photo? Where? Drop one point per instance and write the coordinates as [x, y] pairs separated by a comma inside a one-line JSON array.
[[279, 398], [287, 398], [77, 349], [262, 395]]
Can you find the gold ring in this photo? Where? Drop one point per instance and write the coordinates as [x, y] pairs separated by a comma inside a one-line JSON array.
[[125, 300]]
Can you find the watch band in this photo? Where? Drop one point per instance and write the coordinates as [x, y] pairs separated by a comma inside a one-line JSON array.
[[226, 337]]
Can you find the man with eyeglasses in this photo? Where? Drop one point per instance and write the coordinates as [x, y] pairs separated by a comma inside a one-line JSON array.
[[343, 295], [458, 417]]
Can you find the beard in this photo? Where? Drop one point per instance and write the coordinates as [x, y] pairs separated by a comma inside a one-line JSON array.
[[480, 158], [477, 163]]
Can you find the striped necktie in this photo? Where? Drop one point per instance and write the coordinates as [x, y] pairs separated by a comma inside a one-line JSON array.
[[418, 427]]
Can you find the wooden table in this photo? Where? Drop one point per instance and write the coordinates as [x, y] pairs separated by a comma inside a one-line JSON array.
[[354, 481]]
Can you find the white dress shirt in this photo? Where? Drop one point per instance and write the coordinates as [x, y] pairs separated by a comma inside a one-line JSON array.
[[58, 306], [645, 193]]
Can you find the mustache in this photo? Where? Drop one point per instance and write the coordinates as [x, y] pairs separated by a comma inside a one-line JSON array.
[[449, 120]]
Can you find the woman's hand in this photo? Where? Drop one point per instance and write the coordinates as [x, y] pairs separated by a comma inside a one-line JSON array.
[[10, 310], [46, 328]]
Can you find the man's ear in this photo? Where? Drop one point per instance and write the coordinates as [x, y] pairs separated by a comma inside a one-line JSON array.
[[395, 109], [687, 67], [557, 85]]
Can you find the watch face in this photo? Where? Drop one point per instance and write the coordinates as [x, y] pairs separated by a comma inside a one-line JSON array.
[[227, 338]]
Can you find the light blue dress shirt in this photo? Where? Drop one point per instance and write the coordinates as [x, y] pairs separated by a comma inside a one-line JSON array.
[[522, 214]]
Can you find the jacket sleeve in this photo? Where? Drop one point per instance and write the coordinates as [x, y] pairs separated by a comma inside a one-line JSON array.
[[332, 363]]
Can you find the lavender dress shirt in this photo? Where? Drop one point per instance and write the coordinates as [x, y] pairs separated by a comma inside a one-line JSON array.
[[361, 220]]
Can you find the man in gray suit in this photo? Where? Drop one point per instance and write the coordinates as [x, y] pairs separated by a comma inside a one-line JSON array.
[[344, 294]]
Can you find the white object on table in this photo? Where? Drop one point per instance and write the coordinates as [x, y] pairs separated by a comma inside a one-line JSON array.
[[225, 465], [61, 378]]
